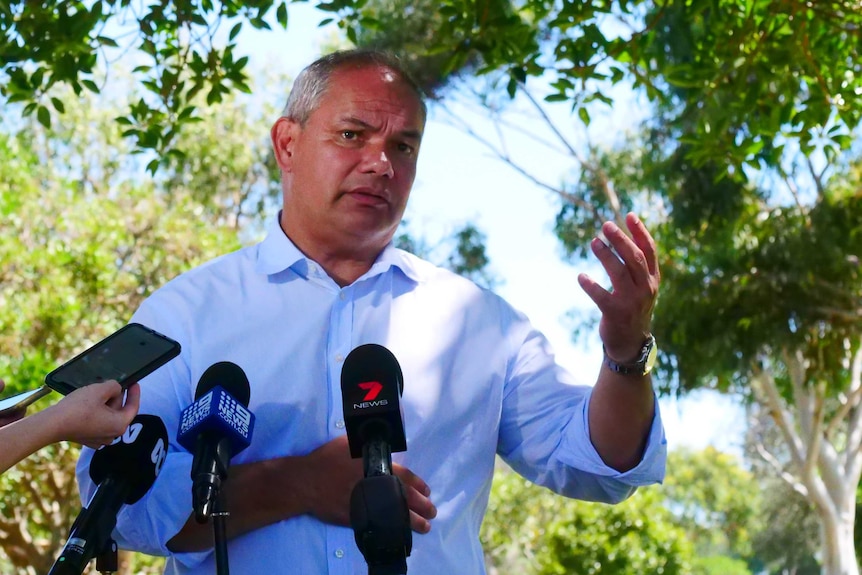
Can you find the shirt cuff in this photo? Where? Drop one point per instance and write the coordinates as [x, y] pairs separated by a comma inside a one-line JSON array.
[[578, 450]]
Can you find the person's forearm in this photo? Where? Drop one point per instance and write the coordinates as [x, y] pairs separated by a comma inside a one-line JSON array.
[[23, 438], [256, 494], [622, 408]]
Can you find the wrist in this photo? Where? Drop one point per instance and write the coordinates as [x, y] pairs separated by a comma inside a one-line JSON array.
[[641, 364]]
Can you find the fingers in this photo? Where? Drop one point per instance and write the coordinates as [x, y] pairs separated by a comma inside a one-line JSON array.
[[111, 393], [95, 415], [422, 510], [623, 257], [631, 263], [644, 240]]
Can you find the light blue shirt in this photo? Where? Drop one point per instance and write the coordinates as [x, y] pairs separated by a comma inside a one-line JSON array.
[[478, 381]]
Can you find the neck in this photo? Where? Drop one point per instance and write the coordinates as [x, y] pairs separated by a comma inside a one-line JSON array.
[[344, 266]]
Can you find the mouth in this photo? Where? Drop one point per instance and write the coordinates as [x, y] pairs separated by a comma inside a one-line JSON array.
[[368, 196]]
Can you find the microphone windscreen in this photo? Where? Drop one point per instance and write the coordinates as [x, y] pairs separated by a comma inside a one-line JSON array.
[[135, 458], [371, 384], [220, 409], [230, 377], [372, 362]]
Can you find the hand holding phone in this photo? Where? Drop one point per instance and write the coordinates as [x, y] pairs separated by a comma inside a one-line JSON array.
[[127, 355], [91, 416]]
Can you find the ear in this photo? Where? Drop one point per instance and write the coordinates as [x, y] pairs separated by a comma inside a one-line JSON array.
[[283, 134]]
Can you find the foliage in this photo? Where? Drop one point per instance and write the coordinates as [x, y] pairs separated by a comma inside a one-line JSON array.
[[86, 237], [714, 52], [715, 500], [749, 76], [181, 51], [530, 530], [463, 252], [790, 536], [719, 565]]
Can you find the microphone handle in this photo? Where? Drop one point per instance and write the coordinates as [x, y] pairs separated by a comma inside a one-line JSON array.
[[209, 469], [376, 457], [92, 528]]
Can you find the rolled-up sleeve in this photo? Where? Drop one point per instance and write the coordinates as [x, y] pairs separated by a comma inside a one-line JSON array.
[[544, 427]]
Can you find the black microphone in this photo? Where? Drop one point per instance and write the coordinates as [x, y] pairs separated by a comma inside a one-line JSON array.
[[215, 427], [124, 471], [371, 386]]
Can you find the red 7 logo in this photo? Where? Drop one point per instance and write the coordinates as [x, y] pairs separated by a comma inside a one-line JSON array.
[[373, 388]]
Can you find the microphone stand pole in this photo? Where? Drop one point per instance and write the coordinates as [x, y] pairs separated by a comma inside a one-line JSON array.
[[220, 534]]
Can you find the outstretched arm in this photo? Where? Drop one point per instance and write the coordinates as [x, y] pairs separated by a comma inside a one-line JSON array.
[[622, 405], [93, 415]]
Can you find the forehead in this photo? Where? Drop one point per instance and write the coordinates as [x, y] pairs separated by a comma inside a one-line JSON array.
[[371, 90]]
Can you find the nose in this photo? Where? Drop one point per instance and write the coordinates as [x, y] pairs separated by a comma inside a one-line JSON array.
[[377, 162]]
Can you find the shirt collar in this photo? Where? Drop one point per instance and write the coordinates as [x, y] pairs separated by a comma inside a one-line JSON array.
[[277, 253]]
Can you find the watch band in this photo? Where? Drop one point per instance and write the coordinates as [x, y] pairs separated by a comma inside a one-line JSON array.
[[641, 366]]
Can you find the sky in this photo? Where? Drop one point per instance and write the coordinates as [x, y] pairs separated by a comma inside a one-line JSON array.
[[459, 181]]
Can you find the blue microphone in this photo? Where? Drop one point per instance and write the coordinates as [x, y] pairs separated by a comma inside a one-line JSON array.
[[215, 427]]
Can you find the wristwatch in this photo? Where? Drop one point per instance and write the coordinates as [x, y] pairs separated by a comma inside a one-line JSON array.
[[642, 365]]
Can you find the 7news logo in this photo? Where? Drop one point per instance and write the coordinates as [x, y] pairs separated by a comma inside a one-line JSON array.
[[372, 390]]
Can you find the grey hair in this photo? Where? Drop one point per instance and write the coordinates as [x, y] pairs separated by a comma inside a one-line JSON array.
[[312, 83]]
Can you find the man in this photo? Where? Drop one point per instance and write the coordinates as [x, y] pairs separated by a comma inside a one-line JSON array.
[[478, 379]]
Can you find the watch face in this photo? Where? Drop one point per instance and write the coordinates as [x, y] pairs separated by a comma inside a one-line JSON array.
[[652, 354]]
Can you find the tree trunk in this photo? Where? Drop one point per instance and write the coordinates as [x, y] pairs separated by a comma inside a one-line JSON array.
[[824, 457], [839, 550]]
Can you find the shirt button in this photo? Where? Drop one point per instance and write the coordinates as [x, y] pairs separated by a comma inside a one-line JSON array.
[[339, 358], [339, 424], [339, 553], [341, 295]]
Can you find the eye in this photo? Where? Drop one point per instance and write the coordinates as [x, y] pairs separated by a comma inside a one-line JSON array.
[[349, 134], [406, 149]]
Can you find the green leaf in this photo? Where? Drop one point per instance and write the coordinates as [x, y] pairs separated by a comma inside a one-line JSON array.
[[281, 15], [91, 86], [105, 41], [44, 116]]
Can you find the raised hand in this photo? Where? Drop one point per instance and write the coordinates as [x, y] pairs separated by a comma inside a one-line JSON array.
[[633, 270]]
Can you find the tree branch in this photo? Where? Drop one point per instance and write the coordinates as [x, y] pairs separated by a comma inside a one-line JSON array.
[[764, 385]]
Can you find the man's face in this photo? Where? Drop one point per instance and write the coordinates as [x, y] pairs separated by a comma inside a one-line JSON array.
[[347, 173]]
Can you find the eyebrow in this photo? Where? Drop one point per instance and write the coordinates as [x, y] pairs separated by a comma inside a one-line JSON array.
[[352, 120]]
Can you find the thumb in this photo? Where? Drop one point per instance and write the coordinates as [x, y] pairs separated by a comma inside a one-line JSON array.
[[133, 400]]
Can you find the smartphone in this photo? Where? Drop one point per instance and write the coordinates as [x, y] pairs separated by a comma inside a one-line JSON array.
[[127, 355], [22, 400]]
